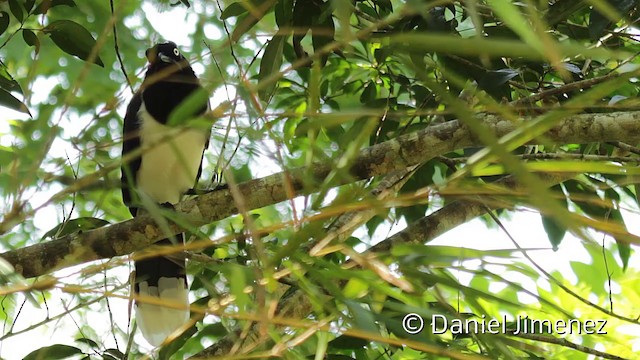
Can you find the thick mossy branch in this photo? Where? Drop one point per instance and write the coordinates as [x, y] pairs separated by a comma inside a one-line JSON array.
[[400, 153]]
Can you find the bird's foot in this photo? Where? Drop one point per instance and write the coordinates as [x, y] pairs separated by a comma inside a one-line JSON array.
[[206, 190], [168, 205]]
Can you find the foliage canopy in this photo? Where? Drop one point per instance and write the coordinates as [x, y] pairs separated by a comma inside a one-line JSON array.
[[302, 84]]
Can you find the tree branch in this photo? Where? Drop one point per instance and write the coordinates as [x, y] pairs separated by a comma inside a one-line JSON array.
[[397, 154], [452, 215]]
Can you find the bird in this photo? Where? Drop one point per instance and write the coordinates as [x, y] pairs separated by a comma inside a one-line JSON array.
[[162, 162]]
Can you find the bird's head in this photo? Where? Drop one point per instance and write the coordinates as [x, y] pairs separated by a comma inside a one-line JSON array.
[[164, 55]]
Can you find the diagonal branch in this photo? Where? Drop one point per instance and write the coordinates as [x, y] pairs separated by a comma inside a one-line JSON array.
[[397, 154]]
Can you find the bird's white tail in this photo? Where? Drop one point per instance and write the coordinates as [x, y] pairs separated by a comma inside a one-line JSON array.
[[156, 321]]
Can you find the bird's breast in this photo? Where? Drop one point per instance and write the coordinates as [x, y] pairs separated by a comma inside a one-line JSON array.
[[170, 159]]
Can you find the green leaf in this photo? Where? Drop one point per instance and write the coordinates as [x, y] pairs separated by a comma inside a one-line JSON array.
[[347, 342], [363, 318], [233, 10], [355, 288], [7, 270], [45, 5], [28, 5], [11, 102], [31, 39], [57, 351], [598, 22], [373, 224], [514, 18], [385, 5], [89, 342], [74, 226], [4, 21], [323, 32], [16, 10], [113, 353], [624, 249], [578, 191], [73, 39], [6, 80], [555, 231], [248, 20], [241, 276], [7, 155], [186, 3], [284, 13], [561, 10], [334, 357], [303, 14], [369, 93], [270, 64]]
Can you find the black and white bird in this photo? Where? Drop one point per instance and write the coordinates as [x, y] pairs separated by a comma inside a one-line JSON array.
[[168, 164]]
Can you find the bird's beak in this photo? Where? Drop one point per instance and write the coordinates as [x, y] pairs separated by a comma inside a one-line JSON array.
[[166, 59], [153, 56]]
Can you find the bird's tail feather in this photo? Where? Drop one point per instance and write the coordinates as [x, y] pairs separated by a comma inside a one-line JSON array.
[[163, 278]]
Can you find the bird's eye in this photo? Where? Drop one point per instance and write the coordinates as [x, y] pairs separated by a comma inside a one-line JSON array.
[[176, 52]]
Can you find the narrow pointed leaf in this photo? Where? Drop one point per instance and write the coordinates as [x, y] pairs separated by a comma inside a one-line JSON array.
[[73, 39], [624, 249], [4, 21], [57, 351], [31, 39], [74, 226], [270, 64], [233, 10], [16, 9], [28, 5], [247, 21], [555, 231], [45, 5], [7, 82], [11, 102], [284, 13]]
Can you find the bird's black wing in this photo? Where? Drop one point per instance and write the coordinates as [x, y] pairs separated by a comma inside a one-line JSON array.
[[131, 142]]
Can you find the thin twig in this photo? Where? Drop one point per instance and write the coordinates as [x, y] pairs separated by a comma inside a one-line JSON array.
[[578, 85], [566, 343], [606, 265], [112, 323], [625, 147], [553, 156], [117, 49], [48, 319]]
